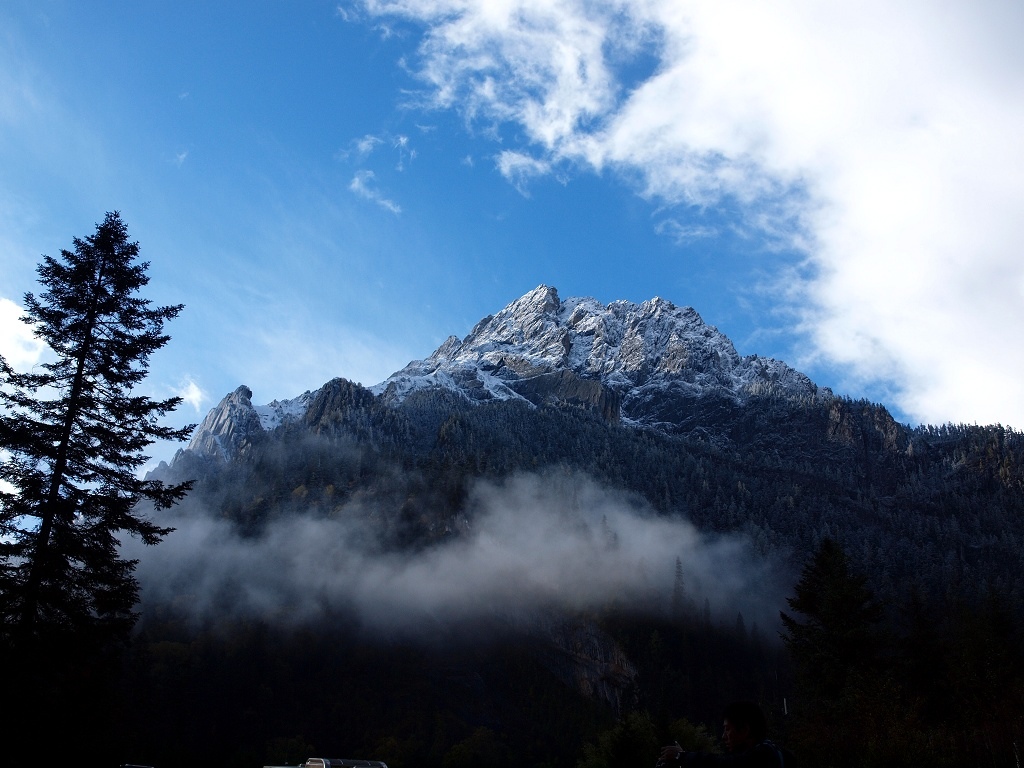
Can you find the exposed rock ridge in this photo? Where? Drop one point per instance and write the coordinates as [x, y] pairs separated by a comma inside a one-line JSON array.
[[224, 429], [615, 359], [235, 421], [652, 364]]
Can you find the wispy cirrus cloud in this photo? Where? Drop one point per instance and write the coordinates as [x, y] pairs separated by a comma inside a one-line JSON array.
[[406, 153], [520, 169], [684, 233], [364, 185], [880, 141], [367, 144], [362, 148]]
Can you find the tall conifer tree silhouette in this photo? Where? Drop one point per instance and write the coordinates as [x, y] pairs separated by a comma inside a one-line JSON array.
[[73, 435]]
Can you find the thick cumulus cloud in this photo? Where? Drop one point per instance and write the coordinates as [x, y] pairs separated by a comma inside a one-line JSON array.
[[880, 139], [535, 544]]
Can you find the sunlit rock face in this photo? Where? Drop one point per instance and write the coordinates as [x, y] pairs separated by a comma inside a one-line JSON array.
[[647, 365], [235, 423], [227, 426], [639, 363]]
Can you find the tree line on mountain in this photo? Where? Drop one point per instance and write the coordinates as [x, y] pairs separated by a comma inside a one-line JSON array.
[[930, 519], [938, 509], [902, 644]]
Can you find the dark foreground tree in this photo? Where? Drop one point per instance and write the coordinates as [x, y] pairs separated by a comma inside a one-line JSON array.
[[846, 704], [72, 434], [837, 638]]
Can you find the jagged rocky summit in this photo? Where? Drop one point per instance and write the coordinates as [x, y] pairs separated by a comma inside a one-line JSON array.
[[236, 419], [624, 359], [652, 364]]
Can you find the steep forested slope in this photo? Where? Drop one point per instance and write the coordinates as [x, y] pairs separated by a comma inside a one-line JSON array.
[[942, 508]]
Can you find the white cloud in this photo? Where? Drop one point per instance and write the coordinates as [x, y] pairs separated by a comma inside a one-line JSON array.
[[684, 233], [401, 144], [520, 169], [884, 139], [368, 143], [364, 185], [17, 344], [191, 393]]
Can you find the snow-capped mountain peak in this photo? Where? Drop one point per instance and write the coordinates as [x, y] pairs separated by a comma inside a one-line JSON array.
[[541, 349], [653, 364]]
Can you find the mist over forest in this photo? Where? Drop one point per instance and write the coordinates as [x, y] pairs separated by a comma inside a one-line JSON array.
[[439, 581], [527, 544], [620, 584]]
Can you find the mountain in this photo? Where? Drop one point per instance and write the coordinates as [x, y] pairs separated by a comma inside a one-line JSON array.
[[644, 365], [235, 422], [638, 363], [646, 398], [474, 557]]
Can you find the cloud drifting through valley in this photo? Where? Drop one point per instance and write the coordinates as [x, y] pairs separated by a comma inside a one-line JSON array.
[[879, 140], [535, 544]]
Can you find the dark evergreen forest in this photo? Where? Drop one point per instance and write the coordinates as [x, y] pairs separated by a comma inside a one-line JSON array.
[[938, 509], [903, 644]]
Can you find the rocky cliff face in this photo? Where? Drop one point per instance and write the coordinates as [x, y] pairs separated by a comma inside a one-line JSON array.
[[652, 364], [227, 426], [586, 658], [236, 422], [623, 360]]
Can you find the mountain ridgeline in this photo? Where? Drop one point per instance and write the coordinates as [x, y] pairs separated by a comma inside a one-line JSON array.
[[646, 399], [565, 539]]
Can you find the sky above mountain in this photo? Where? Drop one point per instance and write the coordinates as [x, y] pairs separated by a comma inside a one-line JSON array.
[[333, 189]]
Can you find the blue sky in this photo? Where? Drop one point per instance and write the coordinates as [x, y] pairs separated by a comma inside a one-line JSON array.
[[333, 188]]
